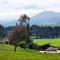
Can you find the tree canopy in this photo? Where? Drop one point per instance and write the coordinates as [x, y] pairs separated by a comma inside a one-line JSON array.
[[20, 32]]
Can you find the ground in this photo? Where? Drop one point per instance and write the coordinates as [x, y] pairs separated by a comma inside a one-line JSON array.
[[7, 53]]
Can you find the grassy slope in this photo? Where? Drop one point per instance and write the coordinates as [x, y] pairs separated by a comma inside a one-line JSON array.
[[28, 56], [7, 53], [55, 42]]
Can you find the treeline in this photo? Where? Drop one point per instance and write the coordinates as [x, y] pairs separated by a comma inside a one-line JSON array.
[[38, 31], [45, 31], [2, 31]]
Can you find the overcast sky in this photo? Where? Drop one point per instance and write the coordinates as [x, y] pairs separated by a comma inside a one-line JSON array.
[[10, 9]]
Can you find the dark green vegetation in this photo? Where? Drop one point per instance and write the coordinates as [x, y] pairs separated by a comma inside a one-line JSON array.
[[43, 32], [1, 31]]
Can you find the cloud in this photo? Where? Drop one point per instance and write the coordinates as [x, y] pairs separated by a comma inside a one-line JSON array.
[[14, 8], [29, 4]]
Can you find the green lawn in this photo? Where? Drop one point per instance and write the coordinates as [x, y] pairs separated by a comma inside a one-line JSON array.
[[7, 53], [54, 42], [28, 56]]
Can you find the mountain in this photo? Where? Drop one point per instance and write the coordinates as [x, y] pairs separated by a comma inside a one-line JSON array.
[[46, 18], [9, 23]]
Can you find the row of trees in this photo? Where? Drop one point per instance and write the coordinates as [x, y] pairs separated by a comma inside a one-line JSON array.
[[1, 32]]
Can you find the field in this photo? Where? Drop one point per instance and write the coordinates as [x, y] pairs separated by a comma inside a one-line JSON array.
[[28, 56], [54, 42], [7, 53]]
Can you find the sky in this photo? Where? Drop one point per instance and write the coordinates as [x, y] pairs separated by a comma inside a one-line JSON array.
[[12, 9]]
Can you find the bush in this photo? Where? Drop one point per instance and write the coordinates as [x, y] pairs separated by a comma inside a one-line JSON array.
[[43, 47], [6, 42], [21, 45], [33, 46]]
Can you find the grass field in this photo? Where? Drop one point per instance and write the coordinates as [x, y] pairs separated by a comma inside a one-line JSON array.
[[28, 56], [7, 53], [54, 42]]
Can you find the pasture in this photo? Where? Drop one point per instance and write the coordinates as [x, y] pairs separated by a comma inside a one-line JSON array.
[[7, 53], [54, 42]]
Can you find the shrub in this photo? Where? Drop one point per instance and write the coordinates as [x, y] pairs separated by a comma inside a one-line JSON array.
[[6, 42], [21, 45], [43, 47], [33, 46]]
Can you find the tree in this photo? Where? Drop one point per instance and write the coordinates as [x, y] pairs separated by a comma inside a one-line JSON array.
[[24, 19], [1, 31], [20, 33], [16, 36]]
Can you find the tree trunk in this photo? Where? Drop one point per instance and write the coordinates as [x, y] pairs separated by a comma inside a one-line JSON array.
[[15, 48]]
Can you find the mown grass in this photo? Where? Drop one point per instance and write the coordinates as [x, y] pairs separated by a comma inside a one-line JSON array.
[[7, 52], [54, 42], [28, 56]]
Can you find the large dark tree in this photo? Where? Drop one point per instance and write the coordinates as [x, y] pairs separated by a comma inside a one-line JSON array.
[[16, 36], [24, 20], [20, 33]]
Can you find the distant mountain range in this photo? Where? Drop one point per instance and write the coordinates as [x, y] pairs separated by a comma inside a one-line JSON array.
[[9, 23], [43, 18], [46, 18]]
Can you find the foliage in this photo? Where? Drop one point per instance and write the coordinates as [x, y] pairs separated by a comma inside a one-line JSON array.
[[33, 46], [43, 47], [20, 32], [1, 31], [17, 35], [23, 19], [6, 42]]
